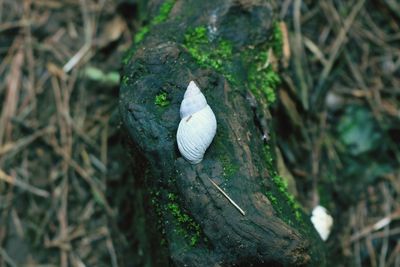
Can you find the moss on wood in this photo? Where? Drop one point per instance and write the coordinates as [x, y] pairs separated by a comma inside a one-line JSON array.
[[191, 208], [161, 99]]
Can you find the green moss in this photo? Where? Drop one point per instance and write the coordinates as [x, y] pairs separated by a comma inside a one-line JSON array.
[[283, 202], [125, 80], [162, 16], [155, 202], [262, 79], [186, 226], [139, 36], [161, 99], [128, 55], [269, 158], [195, 38], [228, 168], [216, 55], [272, 198], [157, 208], [283, 188], [280, 183], [165, 9], [277, 39]]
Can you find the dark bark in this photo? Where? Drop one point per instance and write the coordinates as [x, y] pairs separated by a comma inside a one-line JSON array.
[[199, 226]]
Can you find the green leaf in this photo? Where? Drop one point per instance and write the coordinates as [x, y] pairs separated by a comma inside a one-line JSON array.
[[358, 130]]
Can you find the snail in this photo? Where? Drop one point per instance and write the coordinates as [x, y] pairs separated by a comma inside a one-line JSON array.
[[197, 127]]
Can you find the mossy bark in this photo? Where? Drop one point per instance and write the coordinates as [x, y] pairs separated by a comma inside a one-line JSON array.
[[222, 45]]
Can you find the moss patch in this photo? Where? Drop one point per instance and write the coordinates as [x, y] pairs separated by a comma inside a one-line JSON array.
[[161, 99], [277, 39], [162, 16], [155, 202], [140, 34], [229, 169], [216, 55], [125, 80], [186, 226], [262, 79], [128, 55], [164, 11], [283, 202]]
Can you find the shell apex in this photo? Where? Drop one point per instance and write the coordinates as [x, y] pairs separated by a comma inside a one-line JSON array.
[[191, 90]]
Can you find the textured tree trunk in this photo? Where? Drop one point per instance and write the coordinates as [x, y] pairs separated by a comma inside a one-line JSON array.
[[222, 46]]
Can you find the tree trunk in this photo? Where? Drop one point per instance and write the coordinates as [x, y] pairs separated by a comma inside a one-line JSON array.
[[223, 46]]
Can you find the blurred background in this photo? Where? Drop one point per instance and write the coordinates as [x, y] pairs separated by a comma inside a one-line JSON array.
[[62, 155]]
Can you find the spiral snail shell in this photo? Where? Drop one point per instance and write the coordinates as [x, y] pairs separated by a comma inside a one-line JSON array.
[[197, 127]]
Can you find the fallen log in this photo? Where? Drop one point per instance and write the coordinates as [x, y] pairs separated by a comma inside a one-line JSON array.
[[225, 47]]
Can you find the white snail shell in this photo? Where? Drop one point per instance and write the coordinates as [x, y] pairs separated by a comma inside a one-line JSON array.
[[197, 127]]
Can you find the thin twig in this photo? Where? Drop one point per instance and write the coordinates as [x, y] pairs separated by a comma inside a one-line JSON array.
[[226, 195], [88, 39], [76, 58], [12, 96], [7, 258], [394, 258], [12, 148], [298, 53], [25, 186], [85, 175], [376, 226], [385, 242], [14, 24], [63, 221], [111, 250], [315, 50], [336, 47]]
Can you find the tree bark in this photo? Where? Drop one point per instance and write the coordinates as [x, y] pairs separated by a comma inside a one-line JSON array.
[[198, 226]]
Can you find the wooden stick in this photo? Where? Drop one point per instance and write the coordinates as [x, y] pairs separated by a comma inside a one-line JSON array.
[[226, 195]]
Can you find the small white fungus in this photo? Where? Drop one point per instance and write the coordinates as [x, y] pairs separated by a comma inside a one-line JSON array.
[[322, 221]]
